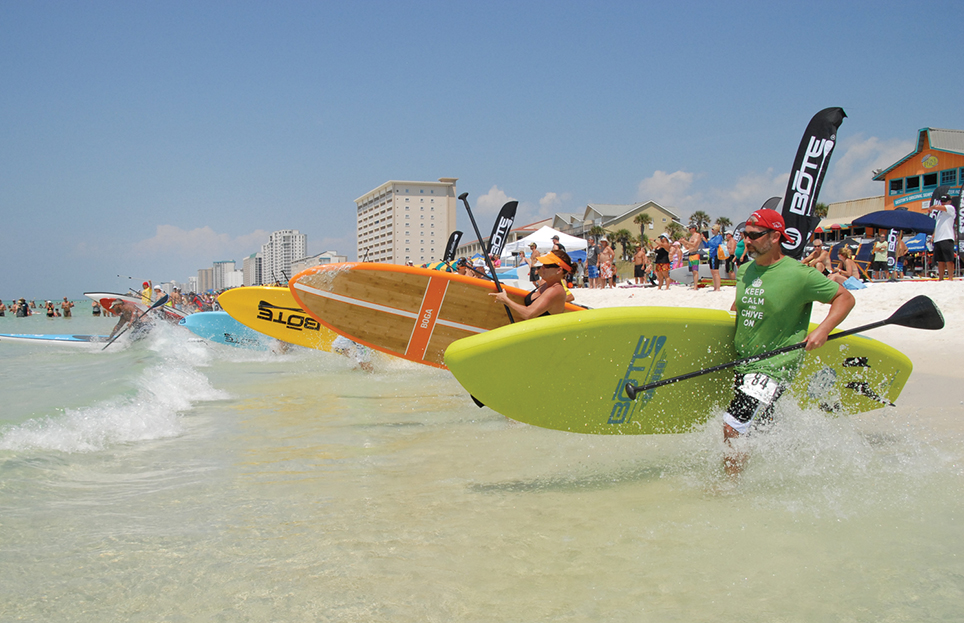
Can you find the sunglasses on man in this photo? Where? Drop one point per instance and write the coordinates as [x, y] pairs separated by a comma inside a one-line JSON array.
[[755, 235]]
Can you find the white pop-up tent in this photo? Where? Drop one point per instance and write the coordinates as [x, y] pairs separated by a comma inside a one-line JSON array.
[[543, 240]]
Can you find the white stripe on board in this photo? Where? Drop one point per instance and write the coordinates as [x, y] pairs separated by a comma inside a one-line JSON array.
[[384, 308], [459, 325], [357, 302]]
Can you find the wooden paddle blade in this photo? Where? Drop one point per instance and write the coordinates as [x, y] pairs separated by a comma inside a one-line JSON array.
[[918, 313]]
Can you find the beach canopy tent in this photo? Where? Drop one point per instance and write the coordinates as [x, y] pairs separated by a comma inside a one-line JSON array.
[[543, 240], [897, 219]]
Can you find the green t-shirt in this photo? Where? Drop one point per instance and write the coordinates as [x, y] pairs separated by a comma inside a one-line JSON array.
[[773, 306]]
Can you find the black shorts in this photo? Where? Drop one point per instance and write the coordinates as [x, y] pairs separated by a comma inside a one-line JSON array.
[[944, 251], [753, 401], [639, 271], [714, 262], [875, 265]]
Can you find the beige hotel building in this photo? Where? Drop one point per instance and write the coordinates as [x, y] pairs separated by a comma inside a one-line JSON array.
[[401, 222]]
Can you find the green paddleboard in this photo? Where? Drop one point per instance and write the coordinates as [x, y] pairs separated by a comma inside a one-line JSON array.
[[569, 371]]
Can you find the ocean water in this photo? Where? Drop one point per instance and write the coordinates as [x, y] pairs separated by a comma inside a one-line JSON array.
[[174, 480]]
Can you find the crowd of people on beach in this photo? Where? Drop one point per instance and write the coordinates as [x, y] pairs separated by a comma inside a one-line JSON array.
[[723, 252]]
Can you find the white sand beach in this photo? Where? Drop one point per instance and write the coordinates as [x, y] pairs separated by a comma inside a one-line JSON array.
[[936, 387]]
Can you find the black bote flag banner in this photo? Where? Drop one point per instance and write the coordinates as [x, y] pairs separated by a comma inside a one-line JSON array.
[[809, 169], [451, 246], [501, 227], [958, 200]]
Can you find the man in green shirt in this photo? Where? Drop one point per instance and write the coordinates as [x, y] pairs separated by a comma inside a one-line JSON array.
[[774, 297]]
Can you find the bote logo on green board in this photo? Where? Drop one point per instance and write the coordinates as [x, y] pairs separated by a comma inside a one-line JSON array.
[[646, 365]]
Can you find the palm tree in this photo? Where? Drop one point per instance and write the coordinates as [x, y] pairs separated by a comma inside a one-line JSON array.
[[700, 219], [624, 237], [675, 230], [643, 220], [596, 231], [724, 223], [820, 209]]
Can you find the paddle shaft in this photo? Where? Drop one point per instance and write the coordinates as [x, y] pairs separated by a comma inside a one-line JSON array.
[[753, 358], [498, 286]]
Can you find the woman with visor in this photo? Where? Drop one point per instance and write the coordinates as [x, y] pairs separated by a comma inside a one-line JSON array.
[[550, 296]]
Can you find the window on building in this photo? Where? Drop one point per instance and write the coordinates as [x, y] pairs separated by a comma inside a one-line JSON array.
[[949, 177], [912, 184], [897, 186], [930, 180]]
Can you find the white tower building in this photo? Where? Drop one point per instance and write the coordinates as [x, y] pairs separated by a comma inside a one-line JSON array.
[[283, 247]]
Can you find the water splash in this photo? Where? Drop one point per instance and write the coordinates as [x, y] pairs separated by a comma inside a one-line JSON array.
[[162, 391]]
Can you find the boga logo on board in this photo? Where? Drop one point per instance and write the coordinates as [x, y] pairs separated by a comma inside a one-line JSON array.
[[646, 365], [295, 321]]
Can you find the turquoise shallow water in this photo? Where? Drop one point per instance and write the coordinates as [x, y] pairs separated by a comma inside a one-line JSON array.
[[174, 480]]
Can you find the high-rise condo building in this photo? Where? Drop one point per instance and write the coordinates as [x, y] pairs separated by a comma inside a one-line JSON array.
[[283, 247], [401, 222]]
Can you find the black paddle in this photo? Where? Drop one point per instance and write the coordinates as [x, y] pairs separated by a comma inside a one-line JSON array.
[[157, 304], [918, 313], [488, 260]]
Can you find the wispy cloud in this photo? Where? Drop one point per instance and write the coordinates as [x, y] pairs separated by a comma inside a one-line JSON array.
[[672, 190], [851, 169], [202, 241], [491, 202], [849, 177]]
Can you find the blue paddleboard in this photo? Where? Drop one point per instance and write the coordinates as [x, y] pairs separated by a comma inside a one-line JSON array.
[[49, 338], [222, 328]]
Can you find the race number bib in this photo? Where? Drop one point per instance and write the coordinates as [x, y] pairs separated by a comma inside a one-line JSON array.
[[759, 386]]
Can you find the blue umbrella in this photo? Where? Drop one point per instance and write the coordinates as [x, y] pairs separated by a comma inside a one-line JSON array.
[[897, 219]]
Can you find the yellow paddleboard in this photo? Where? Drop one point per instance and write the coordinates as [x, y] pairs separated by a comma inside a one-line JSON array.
[[274, 312], [591, 356]]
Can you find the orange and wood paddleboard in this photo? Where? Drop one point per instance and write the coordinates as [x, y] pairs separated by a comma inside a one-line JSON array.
[[409, 312]]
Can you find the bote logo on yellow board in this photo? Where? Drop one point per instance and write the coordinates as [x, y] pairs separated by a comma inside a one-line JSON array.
[[294, 321], [929, 161]]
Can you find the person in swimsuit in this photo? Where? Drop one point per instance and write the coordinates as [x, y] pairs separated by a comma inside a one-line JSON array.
[[662, 261], [606, 258], [128, 315], [693, 244], [846, 266], [550, 296], [819, 258], [66, 306]]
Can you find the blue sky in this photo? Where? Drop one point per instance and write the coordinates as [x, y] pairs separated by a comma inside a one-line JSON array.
[[148, 139]]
